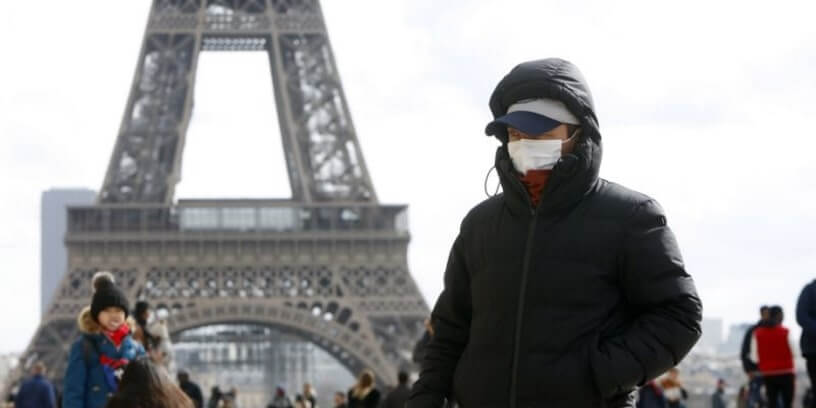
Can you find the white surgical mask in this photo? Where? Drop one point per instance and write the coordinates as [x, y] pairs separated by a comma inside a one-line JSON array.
[[529, 154]]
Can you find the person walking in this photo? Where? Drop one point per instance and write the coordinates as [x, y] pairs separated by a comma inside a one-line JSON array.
[[364, 394], [748, 365], [397, 397], [215, 397], [565, 289], [281, 400], [755, 398], [310, 394], [340, 400], [145, 384], [806, 317], [230, 398], [718, 398], [152, 333], [301, 402], [37, 391], [773, 354], [673, 389], [98, 358], [190, 388], [651, 396], [742, 397]]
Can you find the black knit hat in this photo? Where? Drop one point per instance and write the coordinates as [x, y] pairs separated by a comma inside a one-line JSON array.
[[107, 294]]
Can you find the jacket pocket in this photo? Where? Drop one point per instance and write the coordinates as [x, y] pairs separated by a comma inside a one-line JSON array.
[[562, 377], [614, 369]]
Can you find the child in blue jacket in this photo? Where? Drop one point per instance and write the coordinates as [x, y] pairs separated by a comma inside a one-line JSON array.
[[105, 347]]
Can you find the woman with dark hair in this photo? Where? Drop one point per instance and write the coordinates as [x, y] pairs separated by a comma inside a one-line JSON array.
[[363, 394], [144, 385], [151, 331]]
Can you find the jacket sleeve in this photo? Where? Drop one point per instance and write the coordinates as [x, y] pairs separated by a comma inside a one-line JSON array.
[[665, 302], [753, 350], [803, 307], [139, 351], [50, 397], [451, 322], [73, 393], [748, 365]]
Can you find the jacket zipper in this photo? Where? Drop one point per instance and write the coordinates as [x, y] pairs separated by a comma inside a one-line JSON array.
[[523, 290], [520, 310]]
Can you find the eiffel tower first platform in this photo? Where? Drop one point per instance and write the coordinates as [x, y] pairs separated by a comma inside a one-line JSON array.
[[329, 265]]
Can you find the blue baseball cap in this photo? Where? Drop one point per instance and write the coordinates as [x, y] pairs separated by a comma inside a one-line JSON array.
[[533, 116]]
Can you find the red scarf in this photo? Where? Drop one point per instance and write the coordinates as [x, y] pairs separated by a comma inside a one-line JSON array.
[[118, 335], [535, 181], [112, 363]]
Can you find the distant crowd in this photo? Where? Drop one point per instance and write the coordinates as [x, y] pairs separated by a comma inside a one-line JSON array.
[[119, 362]]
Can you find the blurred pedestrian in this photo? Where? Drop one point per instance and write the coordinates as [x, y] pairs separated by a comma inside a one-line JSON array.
[[215, 397], [772, 352], [397, 397], [755, 398], [806, 317], [742, 397], [673, 389], [364, 394], [310, 394], [190, 388], [230, 398], [37, 391], [151, 331], [340, 400], [718, 398], [280, 400], [301, 402], [651, 396]]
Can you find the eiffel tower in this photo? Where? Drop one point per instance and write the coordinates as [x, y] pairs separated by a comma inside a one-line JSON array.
[[328, 265]]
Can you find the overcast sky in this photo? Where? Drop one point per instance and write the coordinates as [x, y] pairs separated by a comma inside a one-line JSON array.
[[707, 106]]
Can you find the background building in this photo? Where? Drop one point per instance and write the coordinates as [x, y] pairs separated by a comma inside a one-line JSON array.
[[712, 335], [7, 363], [53, 254]]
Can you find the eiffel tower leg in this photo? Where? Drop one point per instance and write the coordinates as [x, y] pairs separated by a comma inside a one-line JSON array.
[[145, 163]]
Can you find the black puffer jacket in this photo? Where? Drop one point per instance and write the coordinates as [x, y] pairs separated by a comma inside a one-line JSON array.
[[571, 304]]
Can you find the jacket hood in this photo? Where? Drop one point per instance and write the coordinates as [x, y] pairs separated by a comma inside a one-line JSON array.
[[87, 325], [577, 172]]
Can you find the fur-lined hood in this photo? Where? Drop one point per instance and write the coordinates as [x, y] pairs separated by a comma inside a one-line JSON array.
[[87, 325]]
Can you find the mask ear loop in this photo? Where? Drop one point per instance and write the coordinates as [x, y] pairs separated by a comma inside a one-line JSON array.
[[498, 186]]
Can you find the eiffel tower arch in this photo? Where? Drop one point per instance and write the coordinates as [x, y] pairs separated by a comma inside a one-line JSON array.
[[329, 264]]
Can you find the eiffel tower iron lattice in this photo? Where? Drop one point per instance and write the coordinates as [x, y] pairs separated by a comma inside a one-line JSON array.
[[329, 265]]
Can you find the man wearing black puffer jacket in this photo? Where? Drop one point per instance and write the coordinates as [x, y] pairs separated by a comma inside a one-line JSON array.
[[566, 290]]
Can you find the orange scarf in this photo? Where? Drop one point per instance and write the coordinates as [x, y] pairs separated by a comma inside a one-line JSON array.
[[535, 181]]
